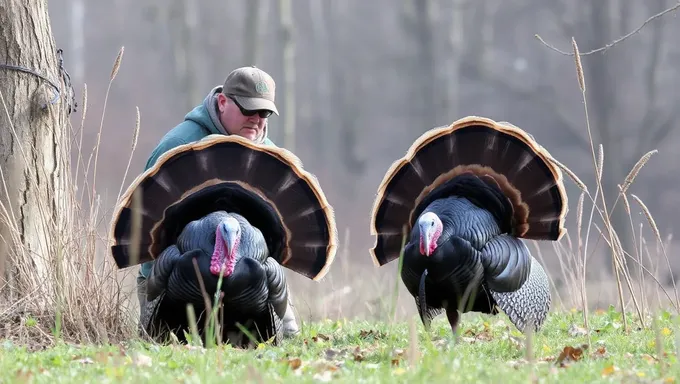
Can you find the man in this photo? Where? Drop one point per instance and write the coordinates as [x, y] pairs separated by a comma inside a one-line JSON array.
[[239, 107]]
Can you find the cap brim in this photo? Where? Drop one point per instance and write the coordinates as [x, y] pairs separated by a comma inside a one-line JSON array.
[[254, 103]]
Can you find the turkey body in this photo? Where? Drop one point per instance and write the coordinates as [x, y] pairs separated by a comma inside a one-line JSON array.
[[455, 269], [223, 210], [472, 261], [254, 294], [465, 196]]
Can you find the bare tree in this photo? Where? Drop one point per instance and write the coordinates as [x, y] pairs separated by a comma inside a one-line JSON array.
[[183, 20], [251, 43], [34, 108], [344, 93], [288, 43], [608, 75]]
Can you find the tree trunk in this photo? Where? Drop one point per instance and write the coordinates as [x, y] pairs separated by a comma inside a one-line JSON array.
[[32, 164], [287, 29], [251, 43]]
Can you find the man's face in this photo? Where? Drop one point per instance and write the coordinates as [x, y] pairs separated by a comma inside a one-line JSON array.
[[236, 123]]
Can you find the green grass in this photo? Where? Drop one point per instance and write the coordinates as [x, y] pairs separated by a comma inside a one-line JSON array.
[[488, 350]]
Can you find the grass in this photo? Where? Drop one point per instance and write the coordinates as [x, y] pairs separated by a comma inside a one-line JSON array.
[[82, 325], [488, 350]]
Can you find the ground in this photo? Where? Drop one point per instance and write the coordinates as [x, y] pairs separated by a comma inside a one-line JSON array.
[[488, 350]]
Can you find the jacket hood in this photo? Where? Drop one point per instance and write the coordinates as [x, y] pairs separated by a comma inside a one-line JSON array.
[[206, 115]]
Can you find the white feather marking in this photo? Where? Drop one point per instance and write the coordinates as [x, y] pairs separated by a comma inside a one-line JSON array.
[[249, 161], [287, 182], [204, 162], [164, 180]]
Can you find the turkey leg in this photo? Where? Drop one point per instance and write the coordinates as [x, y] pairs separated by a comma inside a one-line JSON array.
[[453, 317]]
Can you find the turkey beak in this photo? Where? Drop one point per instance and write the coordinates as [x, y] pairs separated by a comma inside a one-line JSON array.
[[426, 237], [230, 240], [232, 230], [426, 244]]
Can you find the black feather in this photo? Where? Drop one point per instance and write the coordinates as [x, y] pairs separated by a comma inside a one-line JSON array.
[[490, 184], [284, 218]]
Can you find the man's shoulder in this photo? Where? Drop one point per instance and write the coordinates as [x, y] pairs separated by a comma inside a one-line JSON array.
[[185, 132]]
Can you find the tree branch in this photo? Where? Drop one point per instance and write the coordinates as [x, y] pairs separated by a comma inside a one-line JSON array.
[[534, 95], [622, 38]]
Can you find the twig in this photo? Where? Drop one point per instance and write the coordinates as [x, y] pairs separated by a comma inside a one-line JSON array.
[[620, 39]]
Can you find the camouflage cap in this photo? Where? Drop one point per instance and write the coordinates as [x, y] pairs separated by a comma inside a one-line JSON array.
[[252, 88]]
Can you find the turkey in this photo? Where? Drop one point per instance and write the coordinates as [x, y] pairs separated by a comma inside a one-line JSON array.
[[239, 211], [458, 205]]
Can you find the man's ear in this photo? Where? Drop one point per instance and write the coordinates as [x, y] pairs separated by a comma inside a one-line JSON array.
[[221, 101]]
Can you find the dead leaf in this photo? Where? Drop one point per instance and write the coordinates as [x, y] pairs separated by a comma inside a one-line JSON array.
[[331, 353], [575, 331], [397, 355], [570, 354], [24, 376], [358, 356], [320, 336], [651, 360], [374, 334], [600, 353], [484, 335], [324, 366], [609, 370], [295, 363]]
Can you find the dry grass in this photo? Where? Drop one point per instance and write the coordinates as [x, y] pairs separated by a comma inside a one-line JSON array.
[[75, 298], [89, 304]]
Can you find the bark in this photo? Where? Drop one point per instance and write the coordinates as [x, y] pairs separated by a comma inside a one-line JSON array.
[[32, 189]]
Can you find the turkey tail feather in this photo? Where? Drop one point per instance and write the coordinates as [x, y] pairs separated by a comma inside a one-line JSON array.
[[497, 153], [265, 184]]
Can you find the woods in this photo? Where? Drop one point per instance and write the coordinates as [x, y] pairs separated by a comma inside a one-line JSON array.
[[34, 109]]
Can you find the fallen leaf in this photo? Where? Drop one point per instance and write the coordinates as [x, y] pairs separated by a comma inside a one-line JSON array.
[[600, 353], [295, 363], [358, 356], [324, 366], [331, 353], [397, 355], [320, 336], [608, 370], [484, 335], [651, 360], [575, 331], [570, 354], [374, 334]]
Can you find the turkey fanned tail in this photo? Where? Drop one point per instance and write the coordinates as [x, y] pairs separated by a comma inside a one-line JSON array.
[[223, 203], [470, 192]]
